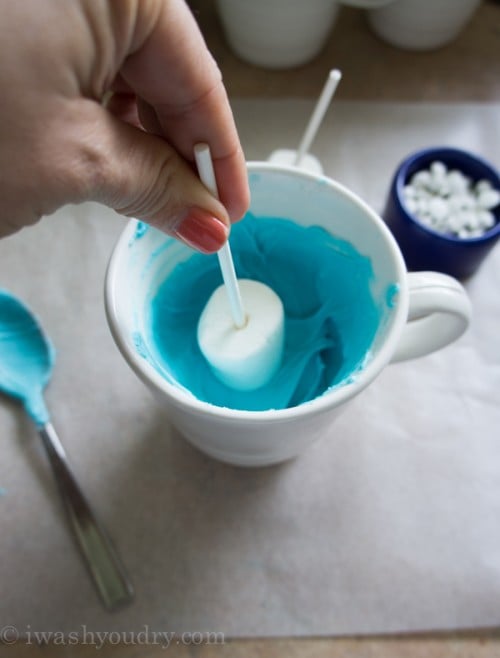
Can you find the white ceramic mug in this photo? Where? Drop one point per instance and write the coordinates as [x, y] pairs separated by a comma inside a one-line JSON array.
[[429, 311], [277, 33], [421, 24]]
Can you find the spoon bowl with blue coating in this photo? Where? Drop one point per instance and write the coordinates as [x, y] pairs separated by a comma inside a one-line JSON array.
[[26, 363]]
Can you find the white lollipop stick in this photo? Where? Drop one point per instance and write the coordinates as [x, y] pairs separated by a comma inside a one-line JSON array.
[[207, 176], [318, 114]]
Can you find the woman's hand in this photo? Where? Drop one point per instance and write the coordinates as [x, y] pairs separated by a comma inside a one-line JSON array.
[[59, 143]]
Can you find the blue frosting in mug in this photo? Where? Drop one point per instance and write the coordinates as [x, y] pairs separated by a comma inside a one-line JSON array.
[[331, 316]]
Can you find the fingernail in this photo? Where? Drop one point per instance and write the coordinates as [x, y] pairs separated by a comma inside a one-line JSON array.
[[202, 231]]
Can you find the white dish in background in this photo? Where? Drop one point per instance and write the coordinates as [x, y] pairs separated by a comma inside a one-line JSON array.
[[277, 34], [421, 24]]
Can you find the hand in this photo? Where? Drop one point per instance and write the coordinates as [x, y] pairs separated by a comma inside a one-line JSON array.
[[60, 144]]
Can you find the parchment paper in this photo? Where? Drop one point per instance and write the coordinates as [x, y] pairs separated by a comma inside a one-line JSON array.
[[391, 523]]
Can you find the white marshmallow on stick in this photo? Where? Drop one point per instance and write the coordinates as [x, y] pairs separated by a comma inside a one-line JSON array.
[[301, 158], [244, 359], [243, 344]]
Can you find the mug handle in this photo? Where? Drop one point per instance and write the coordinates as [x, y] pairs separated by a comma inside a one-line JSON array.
[[439, 313]]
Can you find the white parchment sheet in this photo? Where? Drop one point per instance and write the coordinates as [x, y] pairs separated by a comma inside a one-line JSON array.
[[391, 523]]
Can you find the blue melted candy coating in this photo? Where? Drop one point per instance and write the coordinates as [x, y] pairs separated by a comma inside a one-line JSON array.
[[330, 315], [26, 357]]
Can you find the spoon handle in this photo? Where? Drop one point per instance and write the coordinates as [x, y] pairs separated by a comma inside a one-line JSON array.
[[104, 564]]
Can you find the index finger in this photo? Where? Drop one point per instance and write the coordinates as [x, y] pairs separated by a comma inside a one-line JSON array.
[[173, 71]]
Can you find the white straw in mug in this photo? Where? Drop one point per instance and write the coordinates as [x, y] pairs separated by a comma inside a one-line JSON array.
[[207, 176], [318, 114]]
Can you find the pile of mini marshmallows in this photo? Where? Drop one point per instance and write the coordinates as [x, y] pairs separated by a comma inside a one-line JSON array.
[[449, 202]]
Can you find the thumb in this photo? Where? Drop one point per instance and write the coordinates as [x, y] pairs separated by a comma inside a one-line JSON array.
[[140, 175]]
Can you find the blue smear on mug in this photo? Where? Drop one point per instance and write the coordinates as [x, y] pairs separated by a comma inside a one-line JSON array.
[[331, 317], [140, 230]]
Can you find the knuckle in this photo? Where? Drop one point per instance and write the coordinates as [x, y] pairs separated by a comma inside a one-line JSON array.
[[153, 192]]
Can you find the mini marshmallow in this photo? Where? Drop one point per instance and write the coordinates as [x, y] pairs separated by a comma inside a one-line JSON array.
[[449, 202], [409, 192], [457, 182], [486, 218], [438, 208], [438, 170], [243, 358], [488, 199], [483, 184], [421, 179]]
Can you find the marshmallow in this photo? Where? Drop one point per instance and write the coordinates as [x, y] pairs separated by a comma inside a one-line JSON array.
[[488, 199], [246, 358], [287, 157]]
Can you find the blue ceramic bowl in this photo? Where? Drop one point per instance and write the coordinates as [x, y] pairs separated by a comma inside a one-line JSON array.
[[422, 247]]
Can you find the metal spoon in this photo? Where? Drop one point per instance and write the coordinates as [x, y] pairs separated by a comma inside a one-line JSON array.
[[26, 361]]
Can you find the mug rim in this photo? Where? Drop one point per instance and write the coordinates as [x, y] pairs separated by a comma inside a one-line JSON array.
[[178, 397]]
